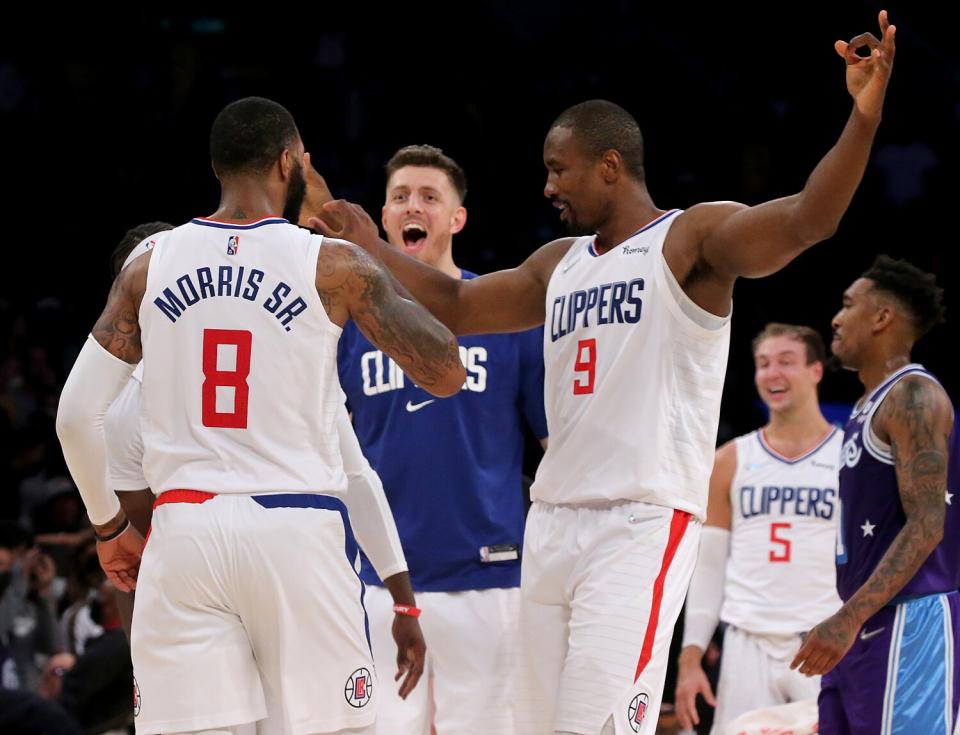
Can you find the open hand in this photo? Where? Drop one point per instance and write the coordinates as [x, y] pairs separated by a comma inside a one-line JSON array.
[[411, 652], [347, 221], [826, 644]]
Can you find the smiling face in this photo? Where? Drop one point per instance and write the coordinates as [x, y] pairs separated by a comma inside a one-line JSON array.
[[574, 185], [785, 379], [422, 213]]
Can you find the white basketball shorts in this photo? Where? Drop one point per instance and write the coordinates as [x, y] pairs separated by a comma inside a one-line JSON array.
[[602, 586], [755, 672], [468, 682], [250, 608]]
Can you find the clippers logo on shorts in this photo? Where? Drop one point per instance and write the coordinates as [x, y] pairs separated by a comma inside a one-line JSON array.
[[637, 710], [359, 688], [136, 697], [233, 244]]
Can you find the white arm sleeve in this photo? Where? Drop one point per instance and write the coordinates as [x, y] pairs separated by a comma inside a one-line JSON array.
[[124, 440], [706, 588], [94, 382], [370, 514]]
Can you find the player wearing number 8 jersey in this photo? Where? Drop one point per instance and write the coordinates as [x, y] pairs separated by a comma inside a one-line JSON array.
[[637, 308], [768, 540], [248, 582]]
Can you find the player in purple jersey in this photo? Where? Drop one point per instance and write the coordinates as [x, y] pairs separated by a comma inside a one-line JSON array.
[[890, 650]]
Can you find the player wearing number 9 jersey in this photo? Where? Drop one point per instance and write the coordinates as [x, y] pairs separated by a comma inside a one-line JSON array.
[[636, 329], [768, 540], [248, 591]]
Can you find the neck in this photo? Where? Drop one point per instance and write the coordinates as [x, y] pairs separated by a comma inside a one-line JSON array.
[[880, 368], [248, 199], [444, 262], [630, 212], [798, 429]]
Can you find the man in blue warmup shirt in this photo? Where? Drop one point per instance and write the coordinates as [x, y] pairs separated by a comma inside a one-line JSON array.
[[452, 472]]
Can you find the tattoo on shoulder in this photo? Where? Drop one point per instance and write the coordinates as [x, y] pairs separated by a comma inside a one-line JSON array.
[[118, 328], [417, 341]]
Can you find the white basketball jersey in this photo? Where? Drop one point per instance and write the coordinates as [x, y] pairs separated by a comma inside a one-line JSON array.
[[634, 376], [781, 577], [240, 388]]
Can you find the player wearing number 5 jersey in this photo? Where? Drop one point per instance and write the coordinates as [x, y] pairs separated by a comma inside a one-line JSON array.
[[248, 591], [766, 552], [636, 319]]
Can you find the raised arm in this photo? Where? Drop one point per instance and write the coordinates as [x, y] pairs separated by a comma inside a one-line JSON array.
[[734, 240], [506, 301], [352, 285], [917, 418]]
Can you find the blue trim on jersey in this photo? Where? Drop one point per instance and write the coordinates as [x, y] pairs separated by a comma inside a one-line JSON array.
[[325, 502], [920, 698], [227, 226], [773, 453], [592, 247], [656, 222]]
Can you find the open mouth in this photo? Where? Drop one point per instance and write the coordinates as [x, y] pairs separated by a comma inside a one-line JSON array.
[[563, 208], [414, 236]]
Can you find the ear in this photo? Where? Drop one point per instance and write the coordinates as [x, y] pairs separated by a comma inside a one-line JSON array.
[[383, 217], [611, 165], [214, 169], [883, 319], [817, 368], [286, 162], [459, 220]]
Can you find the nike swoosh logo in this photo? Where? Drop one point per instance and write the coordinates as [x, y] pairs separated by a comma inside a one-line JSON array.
[[414, 407], [568, 266], [865, 636]]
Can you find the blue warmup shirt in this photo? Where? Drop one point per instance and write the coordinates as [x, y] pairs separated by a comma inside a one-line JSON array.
[[451, 467]]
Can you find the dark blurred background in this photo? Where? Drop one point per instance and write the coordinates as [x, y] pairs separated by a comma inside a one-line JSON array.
[[105, 118]]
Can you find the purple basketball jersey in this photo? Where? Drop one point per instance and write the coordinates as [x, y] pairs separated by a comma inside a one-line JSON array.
[[871, 514]]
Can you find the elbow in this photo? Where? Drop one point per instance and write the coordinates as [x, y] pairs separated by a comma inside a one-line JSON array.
[[451, 382], [69, 424]]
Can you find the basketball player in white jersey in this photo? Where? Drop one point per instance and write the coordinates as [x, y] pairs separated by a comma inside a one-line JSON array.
[[635, 346], [369, 511], [248, 591], [766, 565]]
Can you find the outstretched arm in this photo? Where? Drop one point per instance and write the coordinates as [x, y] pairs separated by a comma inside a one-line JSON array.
[[352, 285], [917, 417], [506, 301], [736, 240]]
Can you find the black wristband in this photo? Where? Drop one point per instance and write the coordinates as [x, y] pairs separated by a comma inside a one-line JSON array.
[[111, 536]]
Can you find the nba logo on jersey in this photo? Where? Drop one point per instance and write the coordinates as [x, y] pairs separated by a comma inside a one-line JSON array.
[[638, 708], [233, 244], [358, 689]]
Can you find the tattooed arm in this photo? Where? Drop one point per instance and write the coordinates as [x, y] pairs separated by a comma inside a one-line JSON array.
[[352, 285], [99, 374], [915, 418]]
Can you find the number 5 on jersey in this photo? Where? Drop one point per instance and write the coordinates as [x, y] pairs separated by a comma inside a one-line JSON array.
[[225, 372], [586, 365]]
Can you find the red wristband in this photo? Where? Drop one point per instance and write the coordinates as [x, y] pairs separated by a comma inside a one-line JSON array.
[[413, 612]]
